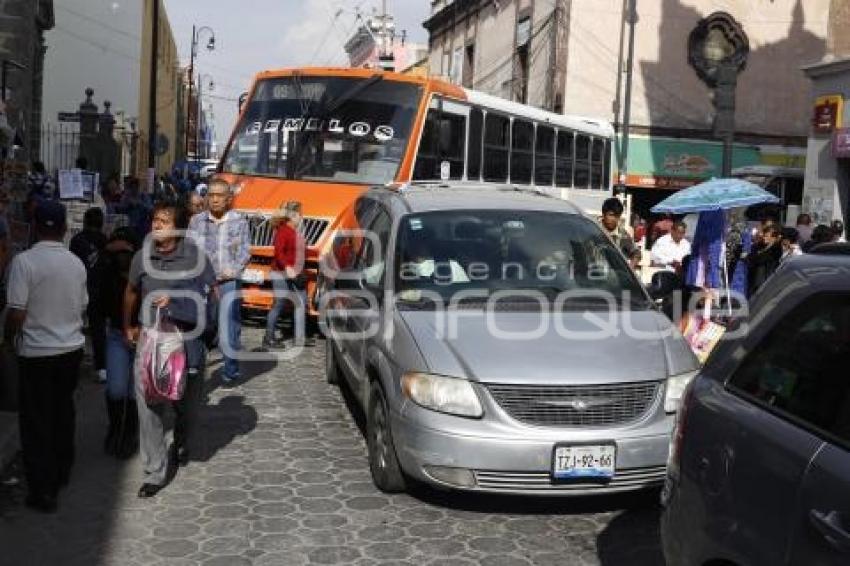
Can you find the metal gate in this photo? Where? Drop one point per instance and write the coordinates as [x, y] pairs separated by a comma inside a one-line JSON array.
[[60, 145]]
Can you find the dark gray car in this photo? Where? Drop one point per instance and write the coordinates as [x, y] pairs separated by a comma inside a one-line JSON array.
[[498, 341], [760, 462]]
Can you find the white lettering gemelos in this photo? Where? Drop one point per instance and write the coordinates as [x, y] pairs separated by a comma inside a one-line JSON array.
[[381, 133]]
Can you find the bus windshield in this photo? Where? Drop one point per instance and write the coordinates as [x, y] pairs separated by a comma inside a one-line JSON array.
[[335, 129]]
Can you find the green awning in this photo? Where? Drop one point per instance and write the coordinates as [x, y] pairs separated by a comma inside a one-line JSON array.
[[668, 163]]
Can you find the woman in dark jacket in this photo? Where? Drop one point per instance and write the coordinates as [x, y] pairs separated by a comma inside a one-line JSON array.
[[763, 260], [112, 269]]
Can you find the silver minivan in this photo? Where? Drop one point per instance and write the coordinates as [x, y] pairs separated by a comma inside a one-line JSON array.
[[497, 341]]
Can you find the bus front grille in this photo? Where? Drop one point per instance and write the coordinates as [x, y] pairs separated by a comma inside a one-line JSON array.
[[262, 231]]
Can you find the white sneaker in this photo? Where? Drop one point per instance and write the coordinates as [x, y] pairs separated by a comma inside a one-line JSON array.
[[101, 376]]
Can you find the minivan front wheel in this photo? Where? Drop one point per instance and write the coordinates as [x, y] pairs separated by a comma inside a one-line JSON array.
[[383, 463]]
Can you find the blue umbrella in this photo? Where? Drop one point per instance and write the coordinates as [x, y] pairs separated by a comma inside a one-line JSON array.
[[716, 194]]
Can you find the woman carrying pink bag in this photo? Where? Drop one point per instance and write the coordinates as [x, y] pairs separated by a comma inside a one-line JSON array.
[[169, 285]]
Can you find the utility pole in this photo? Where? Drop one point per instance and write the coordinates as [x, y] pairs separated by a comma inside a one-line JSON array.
[[198, 118], [553, 56], [189, 99], [627, 112], [386, 58], [618, 102], [152, 101]]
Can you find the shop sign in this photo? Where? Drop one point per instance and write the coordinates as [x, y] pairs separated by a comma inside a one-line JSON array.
[[841, 143], [828, 111]]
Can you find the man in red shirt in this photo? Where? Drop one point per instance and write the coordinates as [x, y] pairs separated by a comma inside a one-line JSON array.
[[287, 277]]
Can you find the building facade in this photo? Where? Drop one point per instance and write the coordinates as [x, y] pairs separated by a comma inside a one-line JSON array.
[[23, 24], [567, 56], [826, 193], [170, 95]]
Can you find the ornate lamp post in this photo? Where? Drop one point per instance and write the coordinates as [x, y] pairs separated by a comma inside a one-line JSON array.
[[717, 50]]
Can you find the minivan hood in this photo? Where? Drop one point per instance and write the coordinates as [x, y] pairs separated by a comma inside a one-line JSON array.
[[549, 357]]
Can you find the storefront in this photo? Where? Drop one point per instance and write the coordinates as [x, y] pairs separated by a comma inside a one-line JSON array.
[[826, 195], [658, 166]]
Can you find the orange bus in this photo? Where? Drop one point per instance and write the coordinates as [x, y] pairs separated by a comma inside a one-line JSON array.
[[323, 136]]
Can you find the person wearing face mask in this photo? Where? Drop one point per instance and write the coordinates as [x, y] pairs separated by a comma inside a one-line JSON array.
[[763, 260]]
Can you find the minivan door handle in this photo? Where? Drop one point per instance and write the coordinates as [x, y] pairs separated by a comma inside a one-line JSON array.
[[829, 526]]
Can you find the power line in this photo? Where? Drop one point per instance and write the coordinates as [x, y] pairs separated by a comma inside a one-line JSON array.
[[100, 23], [93, 43]]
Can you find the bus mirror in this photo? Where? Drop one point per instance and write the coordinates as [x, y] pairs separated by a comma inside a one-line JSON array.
[[242, 98]]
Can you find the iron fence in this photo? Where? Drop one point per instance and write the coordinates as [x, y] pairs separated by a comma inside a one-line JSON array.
[[60, 145]]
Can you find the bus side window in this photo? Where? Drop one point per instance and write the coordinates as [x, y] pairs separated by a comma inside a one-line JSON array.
[[496, 148], [443, 139], [426, 158], [564, 159], [606, 168], [522, 151], [473, 163], [544, 156], [597, 163], [452, 144], [793, 191], [582, 176]]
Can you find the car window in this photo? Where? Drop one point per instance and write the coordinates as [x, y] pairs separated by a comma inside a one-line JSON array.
[[799, 370], [372, 259], [506, 250]]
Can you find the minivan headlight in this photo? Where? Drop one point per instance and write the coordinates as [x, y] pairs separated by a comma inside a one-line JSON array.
[[444, 394], [676, 385]]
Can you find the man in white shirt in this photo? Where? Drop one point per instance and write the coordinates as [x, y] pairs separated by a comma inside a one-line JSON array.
[[46, 300], [670, 249]]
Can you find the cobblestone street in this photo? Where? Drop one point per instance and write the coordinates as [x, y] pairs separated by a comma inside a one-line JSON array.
[[279, 475]]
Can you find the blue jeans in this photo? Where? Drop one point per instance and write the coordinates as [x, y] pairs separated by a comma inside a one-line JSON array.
[[119, 366], [230, 325], [280, 285]]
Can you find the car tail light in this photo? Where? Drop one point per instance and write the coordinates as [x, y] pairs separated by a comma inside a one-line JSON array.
[[678, 437]]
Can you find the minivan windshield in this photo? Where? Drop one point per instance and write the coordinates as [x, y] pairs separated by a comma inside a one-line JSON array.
[[335, 129], [548, 254]]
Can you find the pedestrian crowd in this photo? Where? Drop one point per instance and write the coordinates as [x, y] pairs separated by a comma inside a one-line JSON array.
[[769, 243], [153, 296]]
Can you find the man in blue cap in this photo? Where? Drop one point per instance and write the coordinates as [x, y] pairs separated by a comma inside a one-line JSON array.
[[46, 299]]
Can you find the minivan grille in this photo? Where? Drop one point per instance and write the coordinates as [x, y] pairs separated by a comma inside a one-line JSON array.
[[576, 405], [262, 232], [541, 482]]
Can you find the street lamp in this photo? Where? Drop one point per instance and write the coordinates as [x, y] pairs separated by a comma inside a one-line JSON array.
[[717, 50], [196, 36]]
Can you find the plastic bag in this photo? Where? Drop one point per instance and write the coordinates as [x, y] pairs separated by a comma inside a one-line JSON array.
[[163, 360]]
